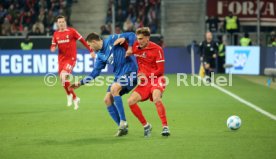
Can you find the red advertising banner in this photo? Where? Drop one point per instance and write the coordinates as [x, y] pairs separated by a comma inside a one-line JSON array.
[[246, 10]]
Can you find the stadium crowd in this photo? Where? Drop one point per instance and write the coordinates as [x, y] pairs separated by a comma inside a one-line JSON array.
[[133, 14], [31, 17]]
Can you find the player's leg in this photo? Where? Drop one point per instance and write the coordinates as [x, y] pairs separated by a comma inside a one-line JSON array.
[[65, 70], [157, 99], [208, 70], [115, 91], [112, 110], [135, 109], [134, 98]]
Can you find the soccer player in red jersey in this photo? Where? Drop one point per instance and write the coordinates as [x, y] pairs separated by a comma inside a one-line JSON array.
[[150, 59], [65, 39]]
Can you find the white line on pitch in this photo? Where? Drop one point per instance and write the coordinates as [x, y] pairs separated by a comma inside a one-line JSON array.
[[251, 105]]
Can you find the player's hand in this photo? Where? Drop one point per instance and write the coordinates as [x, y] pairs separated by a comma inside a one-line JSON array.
[[129, 51], [53, 49], [214, 56], [119, 41], [75, 85], [93, 55]]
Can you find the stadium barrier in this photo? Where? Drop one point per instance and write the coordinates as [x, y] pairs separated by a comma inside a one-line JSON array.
[[41, 62]]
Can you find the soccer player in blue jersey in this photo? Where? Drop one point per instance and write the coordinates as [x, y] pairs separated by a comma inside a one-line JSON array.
[[125, 72]]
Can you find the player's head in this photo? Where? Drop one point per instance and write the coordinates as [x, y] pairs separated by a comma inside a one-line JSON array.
[[143, 36], [61, 22], [209, 36], [94, 41]]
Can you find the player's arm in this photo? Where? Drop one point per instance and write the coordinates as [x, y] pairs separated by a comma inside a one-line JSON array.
[[99, 65], [160, 62], [84, 43], [130, 37], [54, 44]]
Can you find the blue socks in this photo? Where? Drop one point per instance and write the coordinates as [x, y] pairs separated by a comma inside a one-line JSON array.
[[114, 114], [119, 105]]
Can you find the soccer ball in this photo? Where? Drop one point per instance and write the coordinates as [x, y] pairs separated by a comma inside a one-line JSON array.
[[234, 122]]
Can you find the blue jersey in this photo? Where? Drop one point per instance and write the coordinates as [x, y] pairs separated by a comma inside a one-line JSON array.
[[114, 55]]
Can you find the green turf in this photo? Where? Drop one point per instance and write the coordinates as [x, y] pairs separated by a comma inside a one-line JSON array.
[[36, 124]]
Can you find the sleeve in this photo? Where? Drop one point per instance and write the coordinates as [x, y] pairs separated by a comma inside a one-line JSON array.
[[99, 65], [54, 41], [160, 62], [78, 36], [130, 37]]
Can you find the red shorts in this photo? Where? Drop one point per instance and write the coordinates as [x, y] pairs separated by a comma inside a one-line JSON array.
[[67, 66], [145, 90]]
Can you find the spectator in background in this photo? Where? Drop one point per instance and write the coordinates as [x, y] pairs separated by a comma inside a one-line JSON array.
[[138, 23], [6, 27], [104, 30], [120, 17], [213, 23], [41, 17], [50, 19], [128, 26], [3, 13], [26, 44], [117, 29], [16, 28], [108, 18], [28, 19], [38, 24], [25, 31], [245, 40], [131, 13]]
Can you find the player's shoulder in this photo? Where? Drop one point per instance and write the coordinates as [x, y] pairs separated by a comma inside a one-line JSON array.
[[154, 46], [70, 28]]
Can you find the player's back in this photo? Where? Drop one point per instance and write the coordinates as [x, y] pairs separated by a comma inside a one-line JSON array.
[[148, 57], [115, 55]]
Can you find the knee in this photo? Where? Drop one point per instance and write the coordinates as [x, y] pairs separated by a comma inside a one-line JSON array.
[[115, 90], [107, 101], [156, 99], [131, 101]]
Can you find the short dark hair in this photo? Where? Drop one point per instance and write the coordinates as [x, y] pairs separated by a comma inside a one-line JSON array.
[[93, 36], [60, 17], [144, 30]]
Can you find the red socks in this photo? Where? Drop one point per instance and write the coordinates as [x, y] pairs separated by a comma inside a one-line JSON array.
[[69, 91], [160, 109], [138, 113], [161, 112]]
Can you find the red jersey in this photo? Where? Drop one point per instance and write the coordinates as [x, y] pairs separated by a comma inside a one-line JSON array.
[[150, 59], [67, 44]]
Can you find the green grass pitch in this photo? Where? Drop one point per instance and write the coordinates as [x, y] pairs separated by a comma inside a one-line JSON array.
[[36, 124]]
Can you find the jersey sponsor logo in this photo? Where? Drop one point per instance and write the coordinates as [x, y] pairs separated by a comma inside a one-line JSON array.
[[143, 55], [63, 41]]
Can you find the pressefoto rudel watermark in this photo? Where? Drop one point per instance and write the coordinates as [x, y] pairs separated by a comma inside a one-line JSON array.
[[182, 79]]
